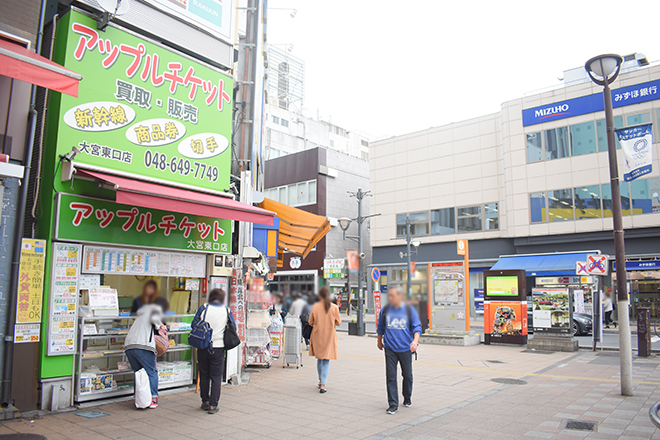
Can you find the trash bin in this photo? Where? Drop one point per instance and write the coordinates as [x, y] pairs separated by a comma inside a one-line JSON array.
[[643, 331]]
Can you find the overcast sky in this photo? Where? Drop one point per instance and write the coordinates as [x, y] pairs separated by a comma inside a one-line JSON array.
[[392, 67]]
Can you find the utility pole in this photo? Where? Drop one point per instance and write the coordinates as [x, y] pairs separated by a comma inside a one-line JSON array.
[[344, 223], [409, 291]]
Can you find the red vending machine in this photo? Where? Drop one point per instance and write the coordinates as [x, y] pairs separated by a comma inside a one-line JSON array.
[[505, 307]]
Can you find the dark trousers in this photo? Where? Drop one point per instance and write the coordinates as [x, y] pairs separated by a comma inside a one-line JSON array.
[[608, 317], [392, 358], [211, 370]]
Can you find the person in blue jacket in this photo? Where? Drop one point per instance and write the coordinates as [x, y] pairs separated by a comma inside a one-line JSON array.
[[398, 330]]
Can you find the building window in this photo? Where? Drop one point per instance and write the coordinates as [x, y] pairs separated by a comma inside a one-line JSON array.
[[296, 194], [419, 224], [607, 199], [276, 119], [284, 122], [332, 143], [468, 219], [364, 143], [601, 132], [302, 193], [282, 195], [537, 207], [534, 147], [560, 203], [274, 154], [492, 216], [364, 155], [443, 221], [645, 195], [587, 202], [556, 143], [641, 118], [583, 139], [312, 192]]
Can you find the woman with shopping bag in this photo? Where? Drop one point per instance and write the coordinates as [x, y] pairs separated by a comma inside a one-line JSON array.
[[140, 346]]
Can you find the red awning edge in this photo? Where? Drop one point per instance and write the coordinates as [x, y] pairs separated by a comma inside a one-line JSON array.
[[153, 196], [22, 64]]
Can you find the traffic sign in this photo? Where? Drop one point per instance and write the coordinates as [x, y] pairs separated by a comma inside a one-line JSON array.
[[375, 274], [581, 268], [597, 264]]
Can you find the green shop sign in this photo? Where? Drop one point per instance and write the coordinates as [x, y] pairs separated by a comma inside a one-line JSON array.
[[143, 110], [85, 219]]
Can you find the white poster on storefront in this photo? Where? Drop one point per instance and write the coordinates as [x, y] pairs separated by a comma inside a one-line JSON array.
[[637, 146], [578, 301]]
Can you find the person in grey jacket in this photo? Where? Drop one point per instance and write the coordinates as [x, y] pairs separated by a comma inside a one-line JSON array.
[[140, 343]]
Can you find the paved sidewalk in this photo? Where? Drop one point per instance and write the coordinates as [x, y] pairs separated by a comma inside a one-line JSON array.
[[454, 398]]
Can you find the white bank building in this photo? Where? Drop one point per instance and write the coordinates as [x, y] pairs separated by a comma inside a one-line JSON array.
[[528, 186]]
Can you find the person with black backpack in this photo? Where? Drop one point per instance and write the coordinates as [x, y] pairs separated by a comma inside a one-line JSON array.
[[213, 328], [398, 331]]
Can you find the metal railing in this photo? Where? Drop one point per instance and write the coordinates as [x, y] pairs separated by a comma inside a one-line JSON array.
[[653, 414]]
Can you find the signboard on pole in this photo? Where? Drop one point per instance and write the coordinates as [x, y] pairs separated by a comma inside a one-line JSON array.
[[637, 146], [581, 268], [375, 274], [377, 304], [597, 264]]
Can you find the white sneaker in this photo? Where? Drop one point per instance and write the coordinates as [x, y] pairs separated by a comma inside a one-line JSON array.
[[407, 405], [391, 411]]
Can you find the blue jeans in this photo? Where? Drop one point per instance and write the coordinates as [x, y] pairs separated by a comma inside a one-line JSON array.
[[146, 359], [392, 358], [323, 367]]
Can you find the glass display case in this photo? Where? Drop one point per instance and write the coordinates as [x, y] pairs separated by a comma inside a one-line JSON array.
[[102, 369]]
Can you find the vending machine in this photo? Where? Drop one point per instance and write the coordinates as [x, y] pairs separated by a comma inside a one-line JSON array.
[[505, 307]]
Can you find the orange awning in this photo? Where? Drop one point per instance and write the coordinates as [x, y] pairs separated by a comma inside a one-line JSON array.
[[299, 230], [20, 63]]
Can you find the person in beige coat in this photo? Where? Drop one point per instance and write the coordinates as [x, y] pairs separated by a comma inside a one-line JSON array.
[[323, 342]]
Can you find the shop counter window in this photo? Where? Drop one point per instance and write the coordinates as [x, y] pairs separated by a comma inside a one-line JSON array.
[[583, 138], [556, 143], [587, 202], [560, 203]]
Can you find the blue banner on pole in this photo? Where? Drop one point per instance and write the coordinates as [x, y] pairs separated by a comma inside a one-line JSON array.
[[636, 143]]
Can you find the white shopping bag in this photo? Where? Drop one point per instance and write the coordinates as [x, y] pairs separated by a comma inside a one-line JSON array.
[[142, 389]]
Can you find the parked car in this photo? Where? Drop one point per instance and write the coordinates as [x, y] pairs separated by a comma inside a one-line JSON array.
[[582, 324]]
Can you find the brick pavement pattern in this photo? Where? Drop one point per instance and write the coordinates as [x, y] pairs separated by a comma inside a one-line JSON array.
[[454, 398]]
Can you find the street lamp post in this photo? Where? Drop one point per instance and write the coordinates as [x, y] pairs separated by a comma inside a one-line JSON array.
[[344, 223], [408, 254], [603, 70]]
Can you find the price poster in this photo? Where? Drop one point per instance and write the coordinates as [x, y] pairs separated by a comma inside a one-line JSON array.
[[103, 298], [26, 333], [30, 282], [64, 298]]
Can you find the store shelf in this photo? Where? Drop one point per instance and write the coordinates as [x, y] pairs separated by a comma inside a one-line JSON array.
[[104, 335], [123, 391], [102, 372], [100, 354]]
